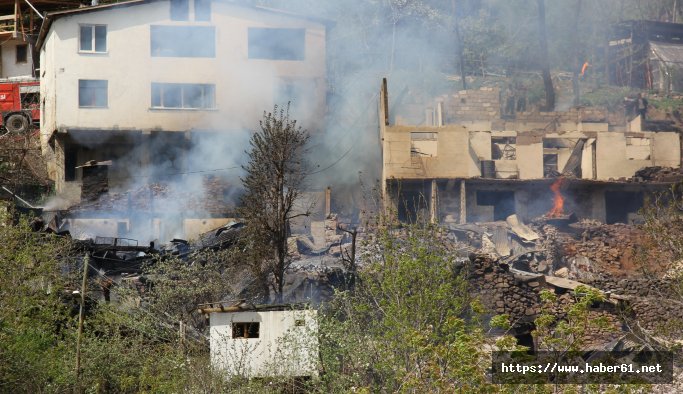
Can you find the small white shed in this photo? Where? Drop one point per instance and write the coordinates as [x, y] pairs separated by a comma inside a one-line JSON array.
[[265, 340]]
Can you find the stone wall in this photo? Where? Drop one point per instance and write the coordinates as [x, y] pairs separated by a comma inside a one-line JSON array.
[[651, 302]]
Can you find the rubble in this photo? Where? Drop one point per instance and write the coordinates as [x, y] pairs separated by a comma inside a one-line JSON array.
[[658, 174]]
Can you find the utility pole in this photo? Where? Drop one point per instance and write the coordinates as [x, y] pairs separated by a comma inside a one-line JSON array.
[[81, 318]]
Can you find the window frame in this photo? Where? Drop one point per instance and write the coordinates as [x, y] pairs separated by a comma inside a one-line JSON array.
[[106, 92], [182, 89], [247, 328], [16, 54], [93, 38], [174, 10]]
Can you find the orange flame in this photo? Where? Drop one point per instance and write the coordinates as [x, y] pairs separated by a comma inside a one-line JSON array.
[[558, 200]]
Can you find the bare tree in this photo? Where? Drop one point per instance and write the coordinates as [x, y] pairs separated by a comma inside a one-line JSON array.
[[275, 176]]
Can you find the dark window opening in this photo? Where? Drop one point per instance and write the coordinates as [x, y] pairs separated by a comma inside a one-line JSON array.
[[503, 148], [618, 205], [183, 41], [202, 10], [180, 10], [549, 164], [413, 205], [277, 44], [245, 330], [92, 93], [527, 340], [70, 158], [22, 53], [503, 202]]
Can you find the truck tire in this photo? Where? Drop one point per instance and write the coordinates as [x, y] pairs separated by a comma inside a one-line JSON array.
[[16, 123]]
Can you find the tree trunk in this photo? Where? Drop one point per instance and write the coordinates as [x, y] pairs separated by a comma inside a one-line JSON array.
[[545, 62], [577, 61]]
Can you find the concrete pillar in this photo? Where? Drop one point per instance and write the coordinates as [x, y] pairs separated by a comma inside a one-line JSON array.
[[429, 117], [599, 206], [59, 162], [439, 114], [433, 202], [328, 200], [463, 203]]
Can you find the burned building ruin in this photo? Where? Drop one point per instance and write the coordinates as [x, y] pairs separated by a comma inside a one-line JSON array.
[[459, 161]]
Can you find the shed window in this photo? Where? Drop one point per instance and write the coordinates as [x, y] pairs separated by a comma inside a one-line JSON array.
[[93, 38], [183, 41], [22, 53], [92, 93], [245, 330], [277, 44]]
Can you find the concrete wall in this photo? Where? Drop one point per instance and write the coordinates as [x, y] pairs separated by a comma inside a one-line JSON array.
[[193, 227], [612, 161], [244, 87], [452, 160], [459, 152], [282, 349], [667, 150], [9, 67]]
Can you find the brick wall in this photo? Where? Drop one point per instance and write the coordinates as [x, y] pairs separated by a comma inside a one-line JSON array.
[[472, 105]]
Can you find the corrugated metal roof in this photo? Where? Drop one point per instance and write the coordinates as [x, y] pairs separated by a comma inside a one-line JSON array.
[[668, 52]]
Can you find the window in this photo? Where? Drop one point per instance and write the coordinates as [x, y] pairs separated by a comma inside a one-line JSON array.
[[70, 159], [503, 148], [638, 148], [423, 144], [183, 95], [92, 93], [245, 330], [202, 10], [22, 53], [93, 38], [550, 165], [277, 44], [183, 41], [180, 10]]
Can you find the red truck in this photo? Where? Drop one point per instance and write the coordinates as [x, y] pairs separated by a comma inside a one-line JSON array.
[[19, 105]]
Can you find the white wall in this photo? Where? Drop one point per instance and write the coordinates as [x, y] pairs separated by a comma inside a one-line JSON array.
[[244, 87], [10, 67], [282, 349]]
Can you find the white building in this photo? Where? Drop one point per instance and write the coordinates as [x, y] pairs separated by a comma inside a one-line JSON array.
[[115, 76], [270, 340]]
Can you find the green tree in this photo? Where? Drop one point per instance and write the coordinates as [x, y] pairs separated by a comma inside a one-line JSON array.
[[410, 325]]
